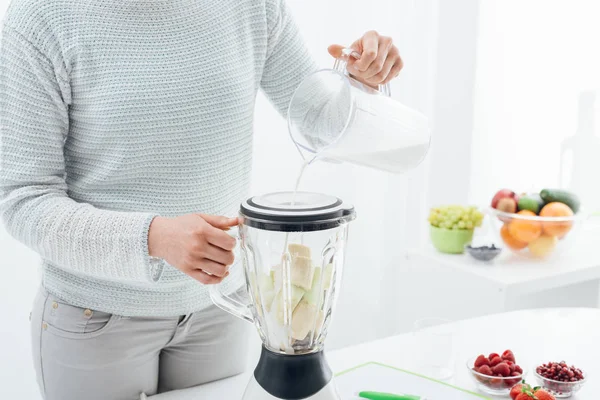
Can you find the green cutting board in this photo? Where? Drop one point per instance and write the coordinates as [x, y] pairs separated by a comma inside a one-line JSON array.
[[384, 378]]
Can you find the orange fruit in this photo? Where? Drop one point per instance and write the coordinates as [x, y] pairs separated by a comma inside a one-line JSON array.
[[525, 230], [509, 240], [557, 228]]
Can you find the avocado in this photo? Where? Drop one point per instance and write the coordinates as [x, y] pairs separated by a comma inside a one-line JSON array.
[[561, 196], [531, 202]]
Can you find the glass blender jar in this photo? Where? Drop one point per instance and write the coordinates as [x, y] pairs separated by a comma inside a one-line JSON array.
[[292, 247]]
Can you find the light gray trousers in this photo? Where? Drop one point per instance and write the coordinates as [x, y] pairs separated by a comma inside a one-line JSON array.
[[87, 354]]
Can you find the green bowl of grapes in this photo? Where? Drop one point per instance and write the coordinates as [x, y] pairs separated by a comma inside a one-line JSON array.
[[452, 227]]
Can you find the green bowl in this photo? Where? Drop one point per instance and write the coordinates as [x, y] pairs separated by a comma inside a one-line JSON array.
[[451, 241]]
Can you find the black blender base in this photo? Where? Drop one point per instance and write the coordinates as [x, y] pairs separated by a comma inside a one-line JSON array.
[[291, 376]]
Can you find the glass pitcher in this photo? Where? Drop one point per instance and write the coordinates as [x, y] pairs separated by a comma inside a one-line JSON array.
[[292, 265], [335, 117]]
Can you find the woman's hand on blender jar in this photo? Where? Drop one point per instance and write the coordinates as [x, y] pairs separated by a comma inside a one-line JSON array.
[[196, 244], [380, 60]]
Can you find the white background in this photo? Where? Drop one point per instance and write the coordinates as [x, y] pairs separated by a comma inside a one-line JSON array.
[[522, 62], [534, 57]]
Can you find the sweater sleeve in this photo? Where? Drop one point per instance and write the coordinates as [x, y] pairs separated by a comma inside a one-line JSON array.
[[34, 202], [288, 60]]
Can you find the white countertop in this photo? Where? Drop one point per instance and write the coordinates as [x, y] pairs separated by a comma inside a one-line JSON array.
[[535, 336], [509, 272]]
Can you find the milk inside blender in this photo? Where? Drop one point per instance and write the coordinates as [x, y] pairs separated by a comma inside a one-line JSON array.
[[292, 250]]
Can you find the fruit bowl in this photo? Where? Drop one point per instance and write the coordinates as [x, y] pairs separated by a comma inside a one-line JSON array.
[[558, 388], [494, 385], [532, 236]]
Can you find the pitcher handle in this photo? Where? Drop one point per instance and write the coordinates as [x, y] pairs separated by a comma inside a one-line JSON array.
[[228, 303], [341, 63]]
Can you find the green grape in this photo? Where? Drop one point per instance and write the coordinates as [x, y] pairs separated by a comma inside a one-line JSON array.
[[455, 217]]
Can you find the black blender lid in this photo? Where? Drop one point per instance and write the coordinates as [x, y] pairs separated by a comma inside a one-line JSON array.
[[309, 212]]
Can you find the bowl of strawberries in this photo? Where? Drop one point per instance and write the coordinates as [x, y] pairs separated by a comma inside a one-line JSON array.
[[495, 374], [524, 391]]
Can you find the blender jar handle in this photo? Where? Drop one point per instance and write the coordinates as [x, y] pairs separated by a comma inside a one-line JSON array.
[[342, 62], [228, 303]]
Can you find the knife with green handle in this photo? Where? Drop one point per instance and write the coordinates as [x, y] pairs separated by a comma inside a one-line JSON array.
[[387, 396]]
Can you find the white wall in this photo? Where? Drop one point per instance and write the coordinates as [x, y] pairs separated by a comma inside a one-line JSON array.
[[453, 102], [534, 57], [17, 290], [390, 208]]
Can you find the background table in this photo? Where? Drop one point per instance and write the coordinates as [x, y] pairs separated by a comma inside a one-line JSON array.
[[470, 288], [535, 336]]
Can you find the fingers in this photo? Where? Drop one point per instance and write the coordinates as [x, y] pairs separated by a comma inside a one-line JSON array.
[[392, 65], [335, 50], [369, 51], [218, 255], [380, 60], [220, 222], [213, 268], [219, 238], [382, 74], [377, 64], [395, 71], [207, 279], [214, 232]]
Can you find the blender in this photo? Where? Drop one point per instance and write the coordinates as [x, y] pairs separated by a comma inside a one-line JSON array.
[[292, 247]]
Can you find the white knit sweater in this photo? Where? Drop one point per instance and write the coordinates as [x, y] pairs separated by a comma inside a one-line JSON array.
[[115, 111]]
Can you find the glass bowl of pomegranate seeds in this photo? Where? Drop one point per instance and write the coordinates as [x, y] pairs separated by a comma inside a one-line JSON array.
[[559, 378]]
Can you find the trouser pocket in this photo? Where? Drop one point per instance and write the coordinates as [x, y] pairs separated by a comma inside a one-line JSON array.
[[65, 341], [66, 320]]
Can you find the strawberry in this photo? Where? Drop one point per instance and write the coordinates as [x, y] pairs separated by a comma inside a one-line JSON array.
[[511, 365], [495, 361], [524, 396], [492, 356], [502, 369], [514, 392], [527, 393], [518, 369], [481, 360], [485, 370], [508, 356], [496, 383], [513, 382], [541, 394]]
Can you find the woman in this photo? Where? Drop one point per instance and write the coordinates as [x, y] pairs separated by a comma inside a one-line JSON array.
[[122, 121]]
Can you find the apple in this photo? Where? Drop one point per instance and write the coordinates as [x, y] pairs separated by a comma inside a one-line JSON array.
[[505, 200], [507, 205]]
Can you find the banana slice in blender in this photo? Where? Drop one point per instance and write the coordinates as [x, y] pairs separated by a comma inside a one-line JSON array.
[[305, 318], [297, 249], [301, 273], [279, 305]]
